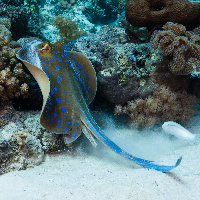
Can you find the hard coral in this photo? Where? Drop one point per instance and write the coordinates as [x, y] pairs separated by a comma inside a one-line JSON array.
[[12, 76], [17, 14], [180, 46], [122, 68], [163, 105], [68, 29], [158, 12]]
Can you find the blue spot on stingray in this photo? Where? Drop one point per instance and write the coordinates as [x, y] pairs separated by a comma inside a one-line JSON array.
[[64, 92], [75, 132], [75, 125], [46, 68], [60, 126], [53, 51], [47, 108], [60, 77], [63, 110], [55, 88], [52, 59], [52, 92], [65, 116], [63, 130], [73, 136], [58, 100], [47, 58], [68, 122], [42, 62], [56, 126], [58, 81], [60, 60], [63, 56], [59, 121], [47, 75], [51, 119], [58, 51], [47, 116], [52, 72], [66, 127], [38, 55], [65, 100], [55, 114], [73, 117], [57, 67], [60, 89], [47, 62]]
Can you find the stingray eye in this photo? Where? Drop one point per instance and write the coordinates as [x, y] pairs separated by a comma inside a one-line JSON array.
[[46, 47]]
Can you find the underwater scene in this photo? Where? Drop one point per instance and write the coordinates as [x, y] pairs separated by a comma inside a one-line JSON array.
[[99, 99]]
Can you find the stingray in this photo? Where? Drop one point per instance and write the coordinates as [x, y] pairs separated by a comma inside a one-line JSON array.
[[68, 84]]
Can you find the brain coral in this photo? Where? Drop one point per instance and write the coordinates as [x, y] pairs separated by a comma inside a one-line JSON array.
[[181, 47], [163, 105], [158, 12]]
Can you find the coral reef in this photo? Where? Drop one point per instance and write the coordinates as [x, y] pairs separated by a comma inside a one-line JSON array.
[[13, 79], [68, 3], [23, 141], [18, 15], [158, 12], [68, 29], [103, 11], [163, 105], [120, 66], [179, 46]]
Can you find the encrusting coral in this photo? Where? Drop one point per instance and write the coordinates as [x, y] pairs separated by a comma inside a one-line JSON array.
[[158, 12], [179, 46], [163, 105], [68, 29]]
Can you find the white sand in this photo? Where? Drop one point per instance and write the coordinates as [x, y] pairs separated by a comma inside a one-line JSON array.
[[106, 176]]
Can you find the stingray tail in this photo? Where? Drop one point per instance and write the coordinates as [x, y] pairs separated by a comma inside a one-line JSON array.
[[94, 129]]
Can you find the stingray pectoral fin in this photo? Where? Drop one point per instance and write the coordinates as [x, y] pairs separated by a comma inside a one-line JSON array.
[[86, 73], [96, 131], [69, 138]]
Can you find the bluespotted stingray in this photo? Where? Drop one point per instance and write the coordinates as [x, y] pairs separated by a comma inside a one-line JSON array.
[[68, 84]]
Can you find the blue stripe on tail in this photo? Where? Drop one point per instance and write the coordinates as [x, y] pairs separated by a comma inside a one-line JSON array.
[[97, 132]]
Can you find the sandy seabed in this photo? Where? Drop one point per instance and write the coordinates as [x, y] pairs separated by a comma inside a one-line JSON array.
[[104, 175]]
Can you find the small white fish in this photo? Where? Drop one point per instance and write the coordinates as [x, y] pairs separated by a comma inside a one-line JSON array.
[[177, 130]]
